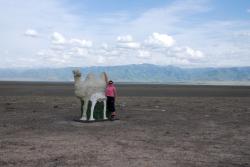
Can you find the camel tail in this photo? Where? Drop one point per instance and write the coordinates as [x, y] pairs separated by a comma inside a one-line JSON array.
[[105, 77]]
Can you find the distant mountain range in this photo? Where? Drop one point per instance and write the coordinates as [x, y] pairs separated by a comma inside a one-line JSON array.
[[134, 73]]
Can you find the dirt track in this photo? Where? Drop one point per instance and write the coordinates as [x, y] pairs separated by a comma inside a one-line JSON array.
[[184, 129]]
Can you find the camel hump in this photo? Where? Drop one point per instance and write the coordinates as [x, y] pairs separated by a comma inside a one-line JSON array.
[[90, 76]]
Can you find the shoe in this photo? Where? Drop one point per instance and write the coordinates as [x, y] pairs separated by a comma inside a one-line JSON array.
[[112, 118]]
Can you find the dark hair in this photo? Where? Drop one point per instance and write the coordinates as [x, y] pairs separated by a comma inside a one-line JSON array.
[[110, 82]]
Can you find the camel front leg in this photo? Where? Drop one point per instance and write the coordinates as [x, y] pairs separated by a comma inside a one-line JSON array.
[[91, 118], [104, 110], [84, 112]]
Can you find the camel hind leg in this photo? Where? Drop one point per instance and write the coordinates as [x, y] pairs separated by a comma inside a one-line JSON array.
[[85, 107], [82, 104]]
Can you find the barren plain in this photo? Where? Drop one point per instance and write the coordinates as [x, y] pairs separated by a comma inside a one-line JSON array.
[[160, 125]]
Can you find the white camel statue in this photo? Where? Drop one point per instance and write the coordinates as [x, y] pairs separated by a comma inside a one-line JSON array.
[[90, 89]]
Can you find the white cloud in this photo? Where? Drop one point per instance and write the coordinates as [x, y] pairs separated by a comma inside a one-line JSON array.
[[58, 38], [160, 39], [186, 53], [165, 45], [40, 53], [130, 45], [79, 51], [104, 46], [125, 38], [124, 51], [31, 33], [183, 62], [127, 41], [81, 42], [180, 38], [243, 34], [194, 54], [144, 54], [64, 52], [33, 19], [100, 60], [57, 47]]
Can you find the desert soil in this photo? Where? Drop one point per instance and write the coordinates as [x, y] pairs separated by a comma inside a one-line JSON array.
[[159, 125]]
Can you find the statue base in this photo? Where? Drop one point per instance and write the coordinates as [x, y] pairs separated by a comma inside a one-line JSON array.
[[99, 120]]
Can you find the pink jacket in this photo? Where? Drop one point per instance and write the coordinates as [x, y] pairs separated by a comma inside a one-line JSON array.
[[110, 90]]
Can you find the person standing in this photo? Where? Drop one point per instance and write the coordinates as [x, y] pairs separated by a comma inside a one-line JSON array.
[[111, 95]]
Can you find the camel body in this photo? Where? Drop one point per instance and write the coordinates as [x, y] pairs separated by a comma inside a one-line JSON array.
[[90, 89]]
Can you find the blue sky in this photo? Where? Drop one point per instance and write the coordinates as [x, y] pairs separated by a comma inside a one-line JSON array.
[[185, 33]]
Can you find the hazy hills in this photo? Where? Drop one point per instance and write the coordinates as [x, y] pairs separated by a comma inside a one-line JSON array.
[[134, 73]]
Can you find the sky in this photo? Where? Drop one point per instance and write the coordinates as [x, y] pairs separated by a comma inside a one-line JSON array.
[[81, 33]]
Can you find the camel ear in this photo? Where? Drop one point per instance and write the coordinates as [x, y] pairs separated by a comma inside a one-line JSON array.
[[76, 70]]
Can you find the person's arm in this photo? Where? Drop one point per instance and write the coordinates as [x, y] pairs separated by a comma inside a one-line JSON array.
[[115, 92]]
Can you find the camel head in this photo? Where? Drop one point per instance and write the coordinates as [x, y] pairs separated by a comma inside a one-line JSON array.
[[77, 73]]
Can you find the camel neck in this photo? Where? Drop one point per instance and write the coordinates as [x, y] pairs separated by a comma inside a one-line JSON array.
[[77, 80]]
